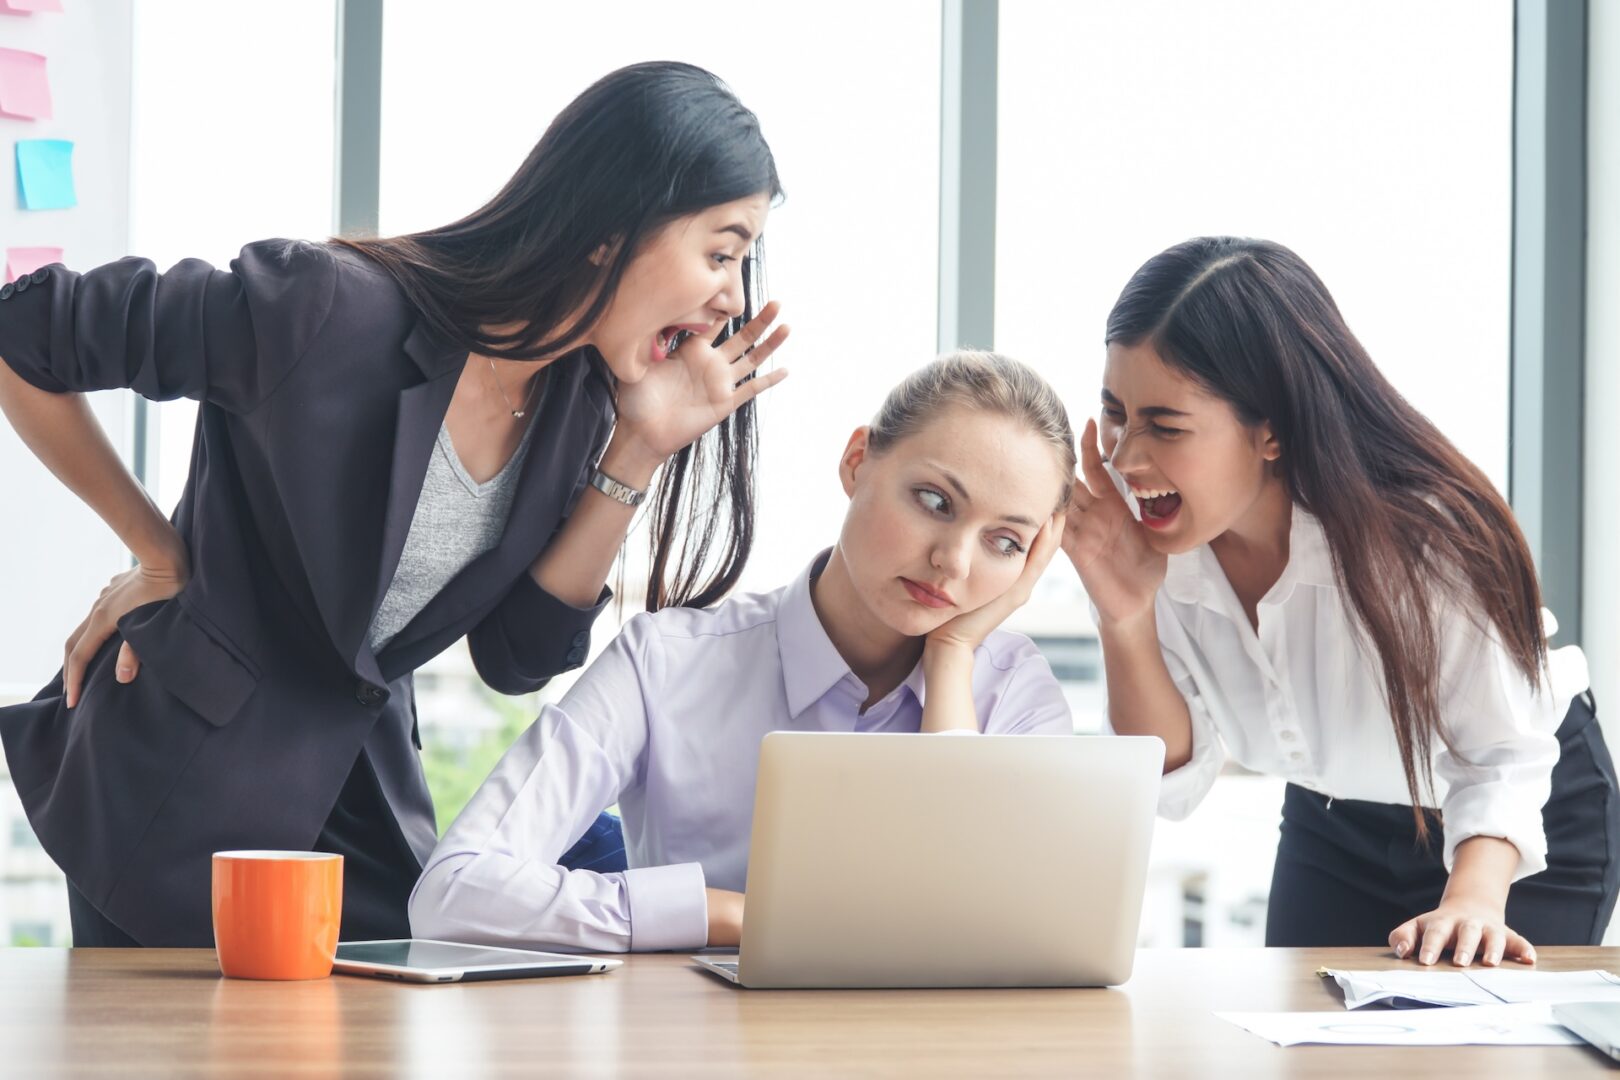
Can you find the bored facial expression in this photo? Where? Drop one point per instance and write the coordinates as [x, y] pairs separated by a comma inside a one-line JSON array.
[[1193, 467], [940, 522], [686, 279]]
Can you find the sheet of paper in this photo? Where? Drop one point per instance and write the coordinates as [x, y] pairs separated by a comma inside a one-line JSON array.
[[28, 7], [45, 174], [25, 260], [1549, 987], [24, 91], [1406, 987], [1475, 1025]]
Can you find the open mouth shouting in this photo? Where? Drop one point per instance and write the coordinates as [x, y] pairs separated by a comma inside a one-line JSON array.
[[669, 339], [1159, 506]]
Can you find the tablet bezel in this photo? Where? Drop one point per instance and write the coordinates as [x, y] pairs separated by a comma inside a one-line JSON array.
[[523, 966]]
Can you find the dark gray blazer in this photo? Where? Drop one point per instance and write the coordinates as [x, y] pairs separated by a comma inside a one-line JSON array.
[[322, 393]]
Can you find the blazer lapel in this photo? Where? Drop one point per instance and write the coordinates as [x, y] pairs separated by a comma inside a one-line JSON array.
[[570, 427], [422, 408]]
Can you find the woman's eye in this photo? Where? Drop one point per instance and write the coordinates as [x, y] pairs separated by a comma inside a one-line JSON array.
[[1167, 432], [723, 259], [1006, 545], [932, 500], [1113, 415]]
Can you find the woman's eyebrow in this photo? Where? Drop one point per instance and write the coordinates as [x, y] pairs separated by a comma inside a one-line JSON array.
[[738, 228], [961, 492], [1146, 410]]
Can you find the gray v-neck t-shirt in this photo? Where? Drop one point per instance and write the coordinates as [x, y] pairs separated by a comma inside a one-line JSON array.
[[457, 519]]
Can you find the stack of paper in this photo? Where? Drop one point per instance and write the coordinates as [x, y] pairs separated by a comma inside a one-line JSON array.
[[1404, 987], [1503, 1008]]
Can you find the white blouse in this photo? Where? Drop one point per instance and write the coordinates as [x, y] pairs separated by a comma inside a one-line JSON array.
[[1302, 699]]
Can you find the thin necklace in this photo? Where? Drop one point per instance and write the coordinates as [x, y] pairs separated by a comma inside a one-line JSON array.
[[517, 414]]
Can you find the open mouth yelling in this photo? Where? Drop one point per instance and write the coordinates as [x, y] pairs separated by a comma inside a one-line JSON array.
[[670, 338], [1159, 506]]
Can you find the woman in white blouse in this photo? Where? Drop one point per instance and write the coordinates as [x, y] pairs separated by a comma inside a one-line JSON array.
[[1292, 567], [954, 491]]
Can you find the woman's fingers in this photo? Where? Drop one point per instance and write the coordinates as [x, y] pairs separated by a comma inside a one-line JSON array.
[[1436, 936], [128, 664], [762, 352], [739, 343], [1403, 938], [1519, 948], [756, 386], [1091, 463], [1466, 942], [84, 650], [1492, 945]]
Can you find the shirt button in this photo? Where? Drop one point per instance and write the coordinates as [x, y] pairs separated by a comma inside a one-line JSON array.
[[576, 656], [38, 276], [368, 695], [1296, 756], [581, 639], [7, 290], [1287, 736], [22, 284]]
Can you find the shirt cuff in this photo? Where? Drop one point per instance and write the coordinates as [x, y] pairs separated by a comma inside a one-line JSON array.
[[1496, 809], [1183, 788], [669, 908]]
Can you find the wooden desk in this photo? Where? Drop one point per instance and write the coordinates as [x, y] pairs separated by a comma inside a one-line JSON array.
[[168, 1013]]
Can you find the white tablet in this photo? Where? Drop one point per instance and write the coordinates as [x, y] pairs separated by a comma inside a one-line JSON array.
[[424, 961]]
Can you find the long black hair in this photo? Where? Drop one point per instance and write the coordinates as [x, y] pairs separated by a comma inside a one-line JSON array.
[[643, 146], [1404, 512]]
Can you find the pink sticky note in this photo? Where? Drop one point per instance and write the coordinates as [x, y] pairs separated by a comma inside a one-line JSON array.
[[20, 261], [28, 7], [24, 91]]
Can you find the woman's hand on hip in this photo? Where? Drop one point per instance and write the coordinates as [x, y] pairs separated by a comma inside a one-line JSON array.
[[142, 585], [698, 386], [968, 630], [1105, 542]]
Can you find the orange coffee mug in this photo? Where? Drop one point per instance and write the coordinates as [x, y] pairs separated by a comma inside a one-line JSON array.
[[276, 913]]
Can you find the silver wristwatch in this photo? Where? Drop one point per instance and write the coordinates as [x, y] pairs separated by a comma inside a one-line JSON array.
[[614, 490]]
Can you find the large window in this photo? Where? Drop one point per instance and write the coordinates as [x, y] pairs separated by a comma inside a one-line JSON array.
[[1373, 137]]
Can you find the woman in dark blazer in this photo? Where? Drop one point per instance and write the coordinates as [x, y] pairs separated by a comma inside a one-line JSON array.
[[233, 690]]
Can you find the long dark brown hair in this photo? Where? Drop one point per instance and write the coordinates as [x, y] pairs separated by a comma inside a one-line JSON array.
[[1404, 512], [643, 146]]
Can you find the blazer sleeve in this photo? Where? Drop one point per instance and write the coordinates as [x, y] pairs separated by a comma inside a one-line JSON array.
[[227, 337], [531, 635]]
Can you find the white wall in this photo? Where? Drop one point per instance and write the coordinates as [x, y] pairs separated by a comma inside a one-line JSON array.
[[87, 50]]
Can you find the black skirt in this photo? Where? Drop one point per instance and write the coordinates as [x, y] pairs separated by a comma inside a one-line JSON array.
[[1349, 872]]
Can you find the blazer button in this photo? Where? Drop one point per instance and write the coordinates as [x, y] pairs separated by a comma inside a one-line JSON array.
[[581, 639], [369, 695], [38, 276], [22, 284], [7, 290], [576, 656]]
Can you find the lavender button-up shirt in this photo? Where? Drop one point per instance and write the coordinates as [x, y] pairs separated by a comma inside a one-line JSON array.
[[667, 723]]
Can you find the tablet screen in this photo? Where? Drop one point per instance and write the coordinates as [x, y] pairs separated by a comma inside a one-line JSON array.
[[439, 954]]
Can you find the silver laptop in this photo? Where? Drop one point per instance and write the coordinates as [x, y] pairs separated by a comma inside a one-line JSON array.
[[938, 860]]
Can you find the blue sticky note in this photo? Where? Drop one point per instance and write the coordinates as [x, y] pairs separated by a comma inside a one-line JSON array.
[[45, 174]]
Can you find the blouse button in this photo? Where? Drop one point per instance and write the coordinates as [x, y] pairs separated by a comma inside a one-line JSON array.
[[1296, 756], [1288, 736]]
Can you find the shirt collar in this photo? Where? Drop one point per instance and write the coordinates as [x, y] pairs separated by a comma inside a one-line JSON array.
[[1190, 576], [811, 664]]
